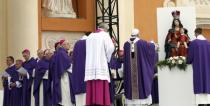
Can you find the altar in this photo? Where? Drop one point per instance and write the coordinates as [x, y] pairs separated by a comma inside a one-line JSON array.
[[176, 87]]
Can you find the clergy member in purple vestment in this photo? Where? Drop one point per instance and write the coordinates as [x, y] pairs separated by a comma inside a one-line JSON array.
[[113, 66], [29, 65], [15, 86], [40, 55], [42, 86], [52, 69], [116, 66], [52, 62], [6, 81], [61, 76], [198, 56], [139, 63], [78, 71]]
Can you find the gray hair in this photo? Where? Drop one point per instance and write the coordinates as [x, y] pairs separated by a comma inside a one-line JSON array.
[[104, 26]]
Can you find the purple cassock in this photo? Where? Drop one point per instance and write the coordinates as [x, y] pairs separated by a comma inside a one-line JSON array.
[[12, 96], [29, 65], [41, 69], [62, 63], [16, 92], [138, 69], [114, 64], [198, 56], [51, 67], [78, 69], [51, 72]]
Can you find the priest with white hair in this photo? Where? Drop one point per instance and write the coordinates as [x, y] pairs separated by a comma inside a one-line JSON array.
[[99, 49]]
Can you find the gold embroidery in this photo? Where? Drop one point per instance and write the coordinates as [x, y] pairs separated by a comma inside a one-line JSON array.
[[134, 72]]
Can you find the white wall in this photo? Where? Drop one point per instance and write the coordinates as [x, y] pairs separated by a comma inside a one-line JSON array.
[[3, 50], [126, 18], [3, 38], [22, 26]]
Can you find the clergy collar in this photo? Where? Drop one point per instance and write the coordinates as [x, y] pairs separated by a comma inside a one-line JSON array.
[[201, 37], [29, 59], [38, 59], [11, 65], [135, 40], [20, 68], [99, 30], [84, 37]]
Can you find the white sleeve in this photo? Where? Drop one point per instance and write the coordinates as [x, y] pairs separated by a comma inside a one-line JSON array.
[[28, 76], [120, 71], [156, 75], [18, 84], [9, 82], [114, 73], [156, 45], [46, 75], [109, 47], [70, 69], [33, 73]]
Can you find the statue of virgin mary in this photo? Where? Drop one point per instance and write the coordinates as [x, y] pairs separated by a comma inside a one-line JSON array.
[[59, 8]]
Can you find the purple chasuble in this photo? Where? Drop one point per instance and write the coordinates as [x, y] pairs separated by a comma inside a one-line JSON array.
[[29, 65], [198, 56], [61, 62], [42, 67], [78, 69], [144, 63]]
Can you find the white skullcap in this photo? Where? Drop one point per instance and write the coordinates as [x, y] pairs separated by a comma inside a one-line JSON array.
[[135, 32]]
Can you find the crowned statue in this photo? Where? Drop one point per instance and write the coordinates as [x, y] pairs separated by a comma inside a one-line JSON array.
[[59, 8], [177, 39]]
